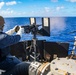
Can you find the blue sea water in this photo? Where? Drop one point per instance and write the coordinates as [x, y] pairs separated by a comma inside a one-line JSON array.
[[61, 28]]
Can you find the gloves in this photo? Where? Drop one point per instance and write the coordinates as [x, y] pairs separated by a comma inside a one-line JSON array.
[[17, 29], [11, 31], [21, 30]]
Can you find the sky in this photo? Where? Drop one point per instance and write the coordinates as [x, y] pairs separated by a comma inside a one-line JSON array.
[[38, 8]]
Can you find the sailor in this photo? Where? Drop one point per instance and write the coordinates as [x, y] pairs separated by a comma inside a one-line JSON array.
[[10, 65]]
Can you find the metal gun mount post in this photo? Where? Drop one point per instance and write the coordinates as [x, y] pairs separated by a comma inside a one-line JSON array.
[[74, 47], [34, 44]]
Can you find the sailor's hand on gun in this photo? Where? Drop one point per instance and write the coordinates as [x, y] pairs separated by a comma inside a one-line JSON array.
[[16, 28], [20, 31]]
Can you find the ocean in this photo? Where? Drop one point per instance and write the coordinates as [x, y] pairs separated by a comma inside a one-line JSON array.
[[62, 29]]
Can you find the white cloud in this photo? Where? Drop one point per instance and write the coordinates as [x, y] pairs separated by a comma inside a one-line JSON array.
[[54, 0], [59, 8], [47, 9], [20, 13], [11, 3], [8, 9], [71, 0], [7, 12], [1, 4]]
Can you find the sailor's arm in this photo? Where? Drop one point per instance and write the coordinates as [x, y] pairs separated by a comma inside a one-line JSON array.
[[11, 31], [15, 38], [11, 39]]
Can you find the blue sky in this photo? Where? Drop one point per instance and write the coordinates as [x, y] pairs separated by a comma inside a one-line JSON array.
[[37, 8]]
